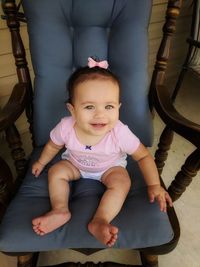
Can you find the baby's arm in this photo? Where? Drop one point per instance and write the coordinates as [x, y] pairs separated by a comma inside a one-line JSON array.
[[48, 153], [148, 168]]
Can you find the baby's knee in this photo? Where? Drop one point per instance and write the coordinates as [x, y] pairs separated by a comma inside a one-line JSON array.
[[118, 179], [122, 187], [53, 172], [126, 182], [63, 170]]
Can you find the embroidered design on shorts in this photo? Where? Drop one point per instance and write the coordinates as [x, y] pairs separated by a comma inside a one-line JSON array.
[[88, 161]]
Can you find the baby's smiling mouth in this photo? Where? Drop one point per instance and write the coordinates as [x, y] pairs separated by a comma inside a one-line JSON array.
[[98, 125]]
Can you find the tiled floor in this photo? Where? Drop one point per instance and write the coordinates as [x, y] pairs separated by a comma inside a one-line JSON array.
[[187, 253]]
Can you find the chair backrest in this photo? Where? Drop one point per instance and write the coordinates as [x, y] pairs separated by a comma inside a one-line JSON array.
[[64, 33], [195, 35]]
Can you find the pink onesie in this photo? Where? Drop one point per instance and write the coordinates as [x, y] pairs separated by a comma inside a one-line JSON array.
[[93, 161]]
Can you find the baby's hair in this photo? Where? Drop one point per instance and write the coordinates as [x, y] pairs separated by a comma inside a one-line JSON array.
[[87, 74]]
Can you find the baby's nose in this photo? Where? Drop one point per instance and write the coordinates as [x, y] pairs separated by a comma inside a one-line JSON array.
[[99, 113]]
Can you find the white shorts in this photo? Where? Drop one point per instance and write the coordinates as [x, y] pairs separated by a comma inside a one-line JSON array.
[[122, 162], [97, 175], [92, 175]]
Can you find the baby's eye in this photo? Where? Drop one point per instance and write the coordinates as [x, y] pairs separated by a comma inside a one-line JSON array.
[[109, 107], [89, 107]]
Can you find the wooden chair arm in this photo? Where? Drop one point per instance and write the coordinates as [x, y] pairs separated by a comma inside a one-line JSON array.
[[6, 186], [15, 106], [172, 118]]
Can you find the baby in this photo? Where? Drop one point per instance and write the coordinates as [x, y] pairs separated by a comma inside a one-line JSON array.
[[97, 144]]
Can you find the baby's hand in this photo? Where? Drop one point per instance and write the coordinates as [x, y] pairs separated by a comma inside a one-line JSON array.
[[158, 192], [37, 168]]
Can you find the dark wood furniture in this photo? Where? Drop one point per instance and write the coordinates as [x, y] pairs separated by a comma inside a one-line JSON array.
[[193, 42], [21, 99]]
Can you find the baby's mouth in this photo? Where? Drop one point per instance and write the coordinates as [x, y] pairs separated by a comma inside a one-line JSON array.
[[98, 125]]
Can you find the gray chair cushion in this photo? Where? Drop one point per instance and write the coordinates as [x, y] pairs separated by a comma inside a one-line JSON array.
[[64, 33], [141, 224]]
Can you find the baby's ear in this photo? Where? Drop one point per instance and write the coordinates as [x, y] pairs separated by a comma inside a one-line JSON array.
[[70, 107]]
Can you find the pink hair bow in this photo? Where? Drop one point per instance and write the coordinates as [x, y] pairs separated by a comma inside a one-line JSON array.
[[101, 64]]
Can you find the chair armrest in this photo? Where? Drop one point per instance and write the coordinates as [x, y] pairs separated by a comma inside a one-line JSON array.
[[6, 186], [15, 105], [172, 118]]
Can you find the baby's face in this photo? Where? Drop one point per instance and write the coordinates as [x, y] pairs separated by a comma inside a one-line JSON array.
[[96, 107]]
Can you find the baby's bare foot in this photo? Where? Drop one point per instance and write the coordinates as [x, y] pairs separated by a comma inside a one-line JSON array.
[[103, 231], [50, 221]]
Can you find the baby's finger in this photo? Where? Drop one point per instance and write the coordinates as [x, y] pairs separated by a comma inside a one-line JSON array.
[[162, 203], [34, 171], [37, 173], [151, 197], [169, 200]]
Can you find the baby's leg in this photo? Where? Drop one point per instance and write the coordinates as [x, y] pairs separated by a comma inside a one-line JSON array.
[[118, 184], [58, 177]]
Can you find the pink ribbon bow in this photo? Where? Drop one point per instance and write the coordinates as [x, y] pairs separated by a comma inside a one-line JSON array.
[[101, 64]]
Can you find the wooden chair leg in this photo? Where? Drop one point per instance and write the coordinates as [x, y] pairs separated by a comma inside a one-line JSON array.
[[185, 176], [161, 154], [149, 260], [28, 260]]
